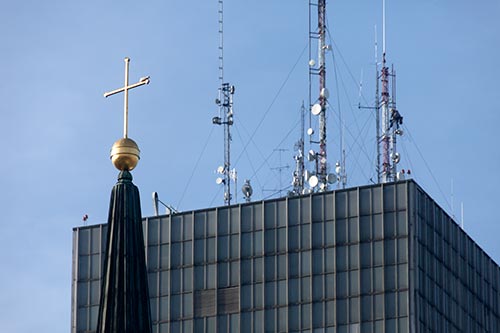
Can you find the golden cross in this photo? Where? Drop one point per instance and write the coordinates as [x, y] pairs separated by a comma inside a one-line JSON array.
[[125, 89]]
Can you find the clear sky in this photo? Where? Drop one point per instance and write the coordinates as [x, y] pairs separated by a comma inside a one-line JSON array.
[[58, 58]]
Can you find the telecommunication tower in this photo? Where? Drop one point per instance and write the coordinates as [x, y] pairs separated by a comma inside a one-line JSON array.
[[225, 117], [320, 180], [298, 174], [391, 118]]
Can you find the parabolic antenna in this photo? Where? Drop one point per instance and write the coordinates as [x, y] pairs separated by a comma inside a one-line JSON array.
[[219, 181], [311, 156], [316, 109], [220, 169], [310, 131], [331, 178], [396, 157], [312, 62], [325, 93], [338, 168], [313, 181]]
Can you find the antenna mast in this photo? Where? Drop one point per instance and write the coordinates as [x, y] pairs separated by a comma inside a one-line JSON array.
[[391, 119], [225, 118], [298, 174], [321, 178]]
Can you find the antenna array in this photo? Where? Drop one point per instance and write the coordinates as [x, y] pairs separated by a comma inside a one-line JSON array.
[[225, 117]]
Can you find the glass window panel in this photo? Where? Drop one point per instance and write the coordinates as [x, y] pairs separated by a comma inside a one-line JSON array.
[[389, 251], [246, 297], [282, 292], [282, 271], [293, 294], [199, 251], [235, 220], [234, 323], [402, 223], [210, 242], [211, 224], [176, 254], [257, 295], [187, 227], [354, 310], [95, 240], [390, 278], [365, 228], [234, 247], [353, 230], [305, 235], [258, 216], [176, 224], [152, 232], [403, 250], [330, 285], [293, 264], [378, 228], [222, 275], [187, 279], [83, 293], [199, 277], [329, 233], [389, 225], [282, 239], [366, 281], [403, 303], [246, 244], [365, 254], [270, 271], [257, 243], [317, 261], [378, 279], [164, 308], [293, 238], [84, 267], [294, 317], [235, 273], [187, 256], [330, 313], [317, 315], [341, 231], [342, 311], [270, 215], [306, 316], [305, 286], [258, 269], [95, 261], [199, 225], [210, 325], [317, 287], [246, 271], [317, 235], [378, 253], [222, 223], [270, 320], [390, 305], [378, 307], [341, 258], [330, 259], [187, 305], [175, 308], [210, 276], [175, 275], [403, 276], [270, 241], [270, 294], [353, 282], [354, 256], [305, 263], [164, 256], [366, 308], [223, 248], [342, 290], [95, 292], [81, 323]]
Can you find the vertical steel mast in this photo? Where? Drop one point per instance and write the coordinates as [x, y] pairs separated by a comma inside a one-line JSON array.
[[225, 118], [322, 92], [298, 174], [391, 118]]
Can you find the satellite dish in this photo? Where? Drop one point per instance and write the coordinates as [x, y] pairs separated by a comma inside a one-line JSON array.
[[220, 170], [324, 93], [316, 109], [338, 169], [400, 175], [312, 62], [399, 131], [331, 178], [313, 181], [219, 180], [396, 157], [311, 156], [247, 189], [310, 131]]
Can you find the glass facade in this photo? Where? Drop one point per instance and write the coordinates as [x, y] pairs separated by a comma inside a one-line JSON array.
[[380, 258]]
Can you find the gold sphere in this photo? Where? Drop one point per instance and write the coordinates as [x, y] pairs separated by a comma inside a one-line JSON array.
[[125, 154]]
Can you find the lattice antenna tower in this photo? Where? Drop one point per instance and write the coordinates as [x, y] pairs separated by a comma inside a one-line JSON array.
[[391, 118], [298, 173], [225, 117], [321, 179]]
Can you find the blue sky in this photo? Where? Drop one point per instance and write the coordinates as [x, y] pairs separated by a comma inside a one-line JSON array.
[[57, 59]]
